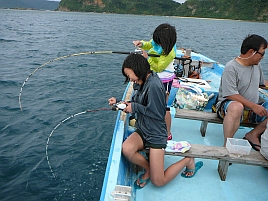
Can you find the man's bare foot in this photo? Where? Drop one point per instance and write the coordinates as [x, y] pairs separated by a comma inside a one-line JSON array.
[[254, 142]]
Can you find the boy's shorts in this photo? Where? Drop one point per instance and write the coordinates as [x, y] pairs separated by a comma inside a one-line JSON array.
[[248, 116]]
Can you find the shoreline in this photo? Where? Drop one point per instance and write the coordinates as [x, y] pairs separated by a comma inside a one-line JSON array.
[[204, 18]]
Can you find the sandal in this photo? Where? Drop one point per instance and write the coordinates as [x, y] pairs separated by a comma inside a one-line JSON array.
[[141, 182], [198, 165], [256, 147]]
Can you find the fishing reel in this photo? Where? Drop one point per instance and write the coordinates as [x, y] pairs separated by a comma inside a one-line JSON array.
[[138, 50], [184, 67], [179, 66], [119, 106]]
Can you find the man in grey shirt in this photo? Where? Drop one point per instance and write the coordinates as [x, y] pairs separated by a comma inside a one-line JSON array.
[[238, 93]]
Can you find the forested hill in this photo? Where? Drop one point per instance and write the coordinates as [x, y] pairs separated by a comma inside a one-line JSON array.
[[252, 10], [144, 7]]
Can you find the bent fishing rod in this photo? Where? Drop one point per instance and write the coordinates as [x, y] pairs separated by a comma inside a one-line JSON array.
[[115, 107], [137, 51]]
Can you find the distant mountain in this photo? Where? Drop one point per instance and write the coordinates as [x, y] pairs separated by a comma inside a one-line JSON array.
[[30, 4], [256, 10]]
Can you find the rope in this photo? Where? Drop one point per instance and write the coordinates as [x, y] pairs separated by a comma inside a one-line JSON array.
[[64, 120]]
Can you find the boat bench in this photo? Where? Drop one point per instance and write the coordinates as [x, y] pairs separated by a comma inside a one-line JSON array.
[[205, 117], [224, 157]]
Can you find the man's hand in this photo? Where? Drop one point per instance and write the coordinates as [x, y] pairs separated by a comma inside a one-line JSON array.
[[259, 110]]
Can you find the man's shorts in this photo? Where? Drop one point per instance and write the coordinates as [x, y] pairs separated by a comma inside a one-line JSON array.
[[248, 116]]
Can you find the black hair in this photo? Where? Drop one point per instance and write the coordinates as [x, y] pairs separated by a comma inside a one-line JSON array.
[[138, 64], [166, 36], [253, 42]]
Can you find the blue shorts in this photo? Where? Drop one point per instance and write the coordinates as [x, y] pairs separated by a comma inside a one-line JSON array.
[[248, 116]]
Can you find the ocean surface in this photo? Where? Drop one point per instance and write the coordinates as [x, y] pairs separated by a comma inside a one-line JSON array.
[[44, 155]]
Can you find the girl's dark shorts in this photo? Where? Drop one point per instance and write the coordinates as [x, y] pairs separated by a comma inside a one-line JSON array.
[[150, 145]]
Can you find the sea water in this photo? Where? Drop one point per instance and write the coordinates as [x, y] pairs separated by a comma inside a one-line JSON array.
[[40, 141]]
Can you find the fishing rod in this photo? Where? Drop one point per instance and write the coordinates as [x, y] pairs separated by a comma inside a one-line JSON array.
[[182, 79], [60, 58], [118, 106], [137, 51]]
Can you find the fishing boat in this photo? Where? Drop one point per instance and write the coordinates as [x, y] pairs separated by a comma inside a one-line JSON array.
[[243, 182]]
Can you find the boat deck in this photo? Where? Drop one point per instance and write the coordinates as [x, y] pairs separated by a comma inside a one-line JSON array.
[[243, 182]]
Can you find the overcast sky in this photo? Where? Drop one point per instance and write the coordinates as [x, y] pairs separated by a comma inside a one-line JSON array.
[[180, 1]]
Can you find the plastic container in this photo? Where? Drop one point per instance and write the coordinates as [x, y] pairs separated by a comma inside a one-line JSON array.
[[238, 146]]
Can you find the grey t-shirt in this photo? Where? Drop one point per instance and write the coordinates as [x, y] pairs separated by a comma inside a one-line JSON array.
[[243, 80]]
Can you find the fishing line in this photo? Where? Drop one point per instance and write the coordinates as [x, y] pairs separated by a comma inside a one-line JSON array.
[[64, 120], [64, 57], [137, 51]]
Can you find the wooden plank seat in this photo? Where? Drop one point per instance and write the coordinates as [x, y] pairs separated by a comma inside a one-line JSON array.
[[205, 117], [224, 157]]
